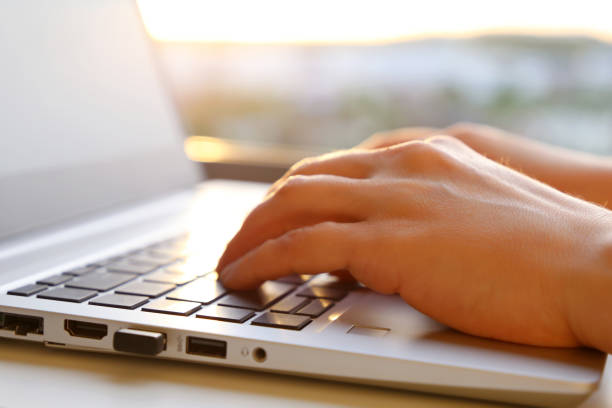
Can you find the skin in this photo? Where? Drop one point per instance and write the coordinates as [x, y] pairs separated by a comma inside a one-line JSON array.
[[472, 243], [580, 174]]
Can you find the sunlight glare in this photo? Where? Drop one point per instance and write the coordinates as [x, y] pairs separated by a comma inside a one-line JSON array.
[[358, 22]]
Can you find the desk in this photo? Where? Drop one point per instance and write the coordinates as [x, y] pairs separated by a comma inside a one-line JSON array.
[[32, 375]]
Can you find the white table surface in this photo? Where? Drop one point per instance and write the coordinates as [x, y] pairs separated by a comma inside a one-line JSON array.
[[32, 375]]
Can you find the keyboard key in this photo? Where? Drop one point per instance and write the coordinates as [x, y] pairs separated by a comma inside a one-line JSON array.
[[27, 290], [55, 280], [315, 308], [83, 270], [204, 290], [120, 301], [290, 304], [106, 261], [101, 281], [139, 258], [155, 258], [177, 252], [331, 281], [179, 249], [150, 289], [173, 307], [188, 268], [259, 299], [167, 277], [176, 241], [68, 294], [295, 279], [226, 314], [318, 292], [175, 245], [281, 321], [127, 266]]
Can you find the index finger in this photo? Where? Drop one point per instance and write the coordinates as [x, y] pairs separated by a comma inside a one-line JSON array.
[[319, 248]]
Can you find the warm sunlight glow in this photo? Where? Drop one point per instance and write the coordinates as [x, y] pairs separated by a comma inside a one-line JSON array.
[[355, 22], [334, 316], [212, 150], [202, 148]]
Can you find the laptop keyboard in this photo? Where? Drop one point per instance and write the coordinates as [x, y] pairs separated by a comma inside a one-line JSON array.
[[157, 279]]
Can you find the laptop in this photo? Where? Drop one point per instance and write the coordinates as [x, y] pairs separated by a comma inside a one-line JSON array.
[[109, 237]]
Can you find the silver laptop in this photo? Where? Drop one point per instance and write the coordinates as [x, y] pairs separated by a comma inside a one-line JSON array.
[[108, 242]]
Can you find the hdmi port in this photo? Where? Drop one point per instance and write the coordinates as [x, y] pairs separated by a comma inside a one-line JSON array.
[[85, 329]]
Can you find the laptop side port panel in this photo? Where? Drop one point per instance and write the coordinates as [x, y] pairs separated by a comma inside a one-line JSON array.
[[86, 330], [206, 347], [21, 324]]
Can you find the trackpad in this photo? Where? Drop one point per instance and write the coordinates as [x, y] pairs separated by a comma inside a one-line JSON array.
[[377, 315]]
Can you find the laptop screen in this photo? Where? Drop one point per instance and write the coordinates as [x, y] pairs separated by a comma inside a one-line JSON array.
[[84, 121]]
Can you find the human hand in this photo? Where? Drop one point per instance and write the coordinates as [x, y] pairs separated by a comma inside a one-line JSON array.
[[471, 243], [579, 174]]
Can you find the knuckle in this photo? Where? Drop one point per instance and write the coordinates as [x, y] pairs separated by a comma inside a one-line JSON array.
[[300, 166], [292, 185], [297, 180], [286, 243], [428, 156], [443, 141], [411, 150]]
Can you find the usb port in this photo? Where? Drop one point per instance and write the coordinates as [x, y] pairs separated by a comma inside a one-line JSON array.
[[21, 324], [206, 347]]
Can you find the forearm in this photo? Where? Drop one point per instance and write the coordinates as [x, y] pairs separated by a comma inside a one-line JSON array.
[[588, 179], [580, 174], [583, 175]]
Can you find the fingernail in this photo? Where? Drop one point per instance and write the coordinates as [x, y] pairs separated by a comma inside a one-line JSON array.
[[226, 274], [221, 265]]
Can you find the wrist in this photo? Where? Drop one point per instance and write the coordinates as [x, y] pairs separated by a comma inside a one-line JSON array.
[[588, 291]]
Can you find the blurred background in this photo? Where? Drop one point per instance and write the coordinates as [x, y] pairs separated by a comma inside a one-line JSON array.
[[271, 81]]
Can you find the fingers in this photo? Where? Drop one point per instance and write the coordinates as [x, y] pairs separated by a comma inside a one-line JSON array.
[[319, 248], [357, 163], [432, 158], [354, 164], [306, 200], [301, 201]]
